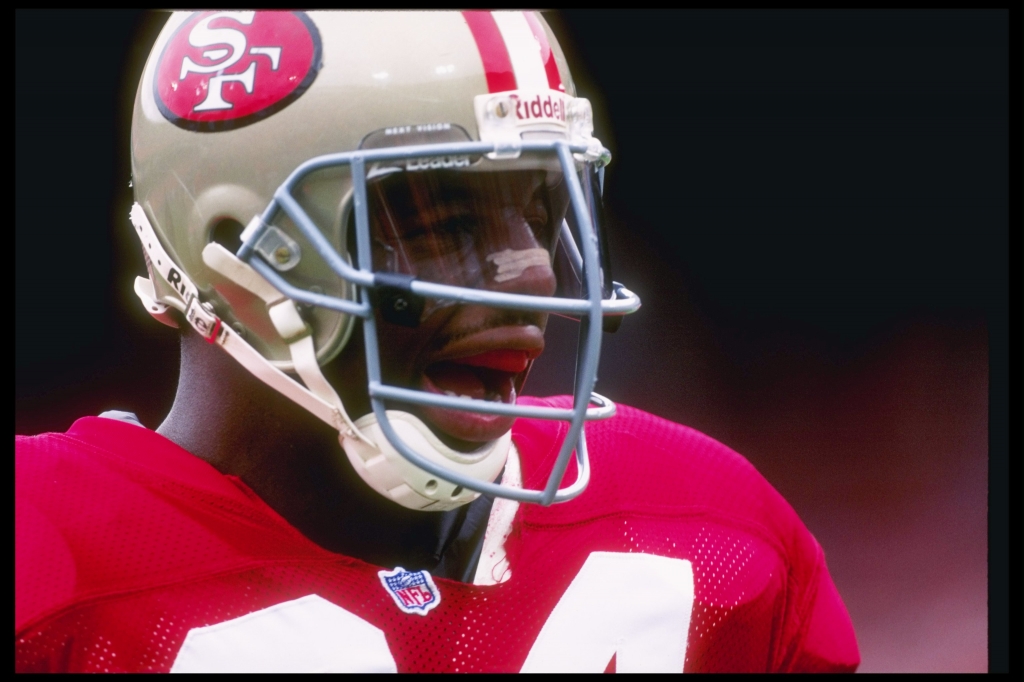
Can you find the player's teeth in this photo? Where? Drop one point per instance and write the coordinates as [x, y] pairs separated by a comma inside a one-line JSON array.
[[451, 393], [463, 395]]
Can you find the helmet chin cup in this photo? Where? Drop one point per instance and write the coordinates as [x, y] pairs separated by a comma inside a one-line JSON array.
[[388, 472]]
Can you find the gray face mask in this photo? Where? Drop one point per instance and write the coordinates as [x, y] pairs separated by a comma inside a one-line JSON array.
[[422, 236]]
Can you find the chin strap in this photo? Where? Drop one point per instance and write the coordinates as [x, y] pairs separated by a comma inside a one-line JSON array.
[[317, 396], [398, 479]]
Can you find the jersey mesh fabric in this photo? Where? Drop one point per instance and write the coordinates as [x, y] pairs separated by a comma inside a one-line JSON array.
[[125, 542]]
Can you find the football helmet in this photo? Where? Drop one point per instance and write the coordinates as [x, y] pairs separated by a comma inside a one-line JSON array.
[[329, 135]]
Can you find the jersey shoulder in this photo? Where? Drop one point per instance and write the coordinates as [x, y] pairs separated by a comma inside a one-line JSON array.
[[109, 507], [662, 479], [642, 462]]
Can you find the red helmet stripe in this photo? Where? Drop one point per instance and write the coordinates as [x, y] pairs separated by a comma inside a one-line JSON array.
[[497, 64], [546, 53]]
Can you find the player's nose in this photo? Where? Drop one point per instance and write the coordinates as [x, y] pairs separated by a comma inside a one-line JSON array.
[[536, 278], [521, 265]]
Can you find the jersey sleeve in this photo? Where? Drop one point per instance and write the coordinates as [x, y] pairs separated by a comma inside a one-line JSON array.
[[44, 569], [825, 641]]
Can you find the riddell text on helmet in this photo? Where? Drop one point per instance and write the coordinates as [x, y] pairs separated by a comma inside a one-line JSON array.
[[224, 70], [539, 107]]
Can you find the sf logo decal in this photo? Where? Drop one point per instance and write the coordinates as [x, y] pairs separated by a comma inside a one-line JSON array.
[[225, 70], [202, 35]]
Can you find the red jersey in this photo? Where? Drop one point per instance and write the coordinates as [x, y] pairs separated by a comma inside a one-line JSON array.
[[134, 555]]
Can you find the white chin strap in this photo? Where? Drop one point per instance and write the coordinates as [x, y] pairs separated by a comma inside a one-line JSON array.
[[372, 455], [396, 478]]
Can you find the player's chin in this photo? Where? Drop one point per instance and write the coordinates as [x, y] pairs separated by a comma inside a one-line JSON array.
[[465, 431]]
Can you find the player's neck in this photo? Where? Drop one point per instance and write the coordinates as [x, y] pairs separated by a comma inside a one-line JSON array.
[[224, 415]]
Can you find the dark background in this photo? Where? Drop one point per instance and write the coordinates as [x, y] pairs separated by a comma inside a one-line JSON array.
[[813, 206]]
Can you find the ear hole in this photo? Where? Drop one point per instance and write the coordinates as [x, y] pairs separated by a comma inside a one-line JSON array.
[[457, 491], [228, 233], [431, 486]]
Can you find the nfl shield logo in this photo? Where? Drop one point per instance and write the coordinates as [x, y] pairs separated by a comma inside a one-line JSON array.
[[413, 591]]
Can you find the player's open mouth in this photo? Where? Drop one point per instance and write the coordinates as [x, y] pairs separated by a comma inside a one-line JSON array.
[[494, 375]]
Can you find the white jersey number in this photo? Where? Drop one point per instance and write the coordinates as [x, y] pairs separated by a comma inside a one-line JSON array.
[[635, 607], [300, 636]]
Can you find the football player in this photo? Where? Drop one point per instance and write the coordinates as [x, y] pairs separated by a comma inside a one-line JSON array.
[[360, 223]]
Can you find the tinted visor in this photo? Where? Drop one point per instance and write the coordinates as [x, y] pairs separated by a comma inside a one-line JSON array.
[[493, 230]]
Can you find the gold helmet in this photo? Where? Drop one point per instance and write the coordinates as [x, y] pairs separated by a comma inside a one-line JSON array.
[[263, 148]]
